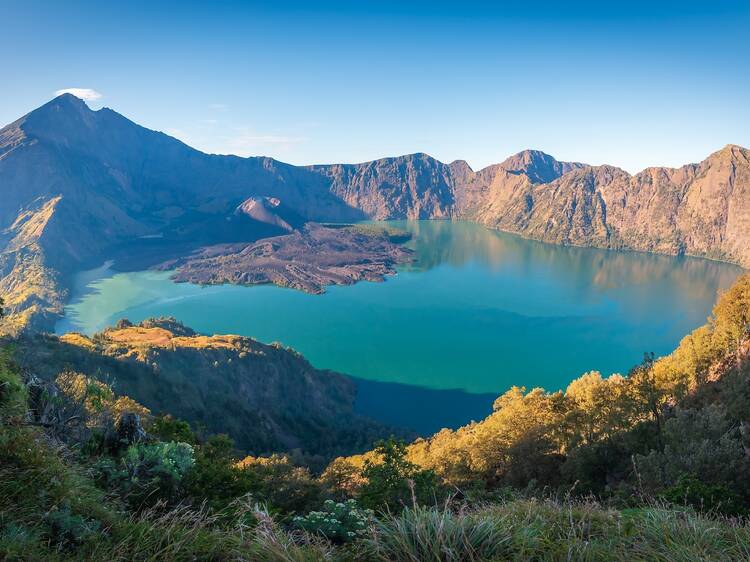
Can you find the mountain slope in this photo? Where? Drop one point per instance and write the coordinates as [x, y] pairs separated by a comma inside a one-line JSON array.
[[76, 183], [266, 397]]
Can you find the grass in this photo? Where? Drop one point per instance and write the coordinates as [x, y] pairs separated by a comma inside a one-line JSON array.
[[429, 534], [554, 531]]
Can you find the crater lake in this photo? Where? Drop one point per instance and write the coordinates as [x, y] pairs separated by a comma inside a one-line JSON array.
[[478, 311]]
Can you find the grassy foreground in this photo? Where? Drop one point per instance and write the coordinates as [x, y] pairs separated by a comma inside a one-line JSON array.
[[51, 509]]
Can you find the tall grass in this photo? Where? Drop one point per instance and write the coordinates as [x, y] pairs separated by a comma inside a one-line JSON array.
[[433, 534], [557, 531]]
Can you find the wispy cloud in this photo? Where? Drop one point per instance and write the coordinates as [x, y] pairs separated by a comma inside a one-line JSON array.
[[240, 141], [217, 105], [86, 94], [248, 142]]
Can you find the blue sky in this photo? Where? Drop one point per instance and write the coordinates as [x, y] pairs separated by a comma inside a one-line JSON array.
[[632, 84]]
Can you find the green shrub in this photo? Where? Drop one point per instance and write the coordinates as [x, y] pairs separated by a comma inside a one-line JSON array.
[[167, 428], [68, 529], [395, 482], [283, 486], [215, 478], [691, 491], [149, 472], [168, 460], [338, 522], [12, 391]]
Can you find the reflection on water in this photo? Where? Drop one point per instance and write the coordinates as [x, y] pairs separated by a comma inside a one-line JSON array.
[[459, 242], [478, 310]]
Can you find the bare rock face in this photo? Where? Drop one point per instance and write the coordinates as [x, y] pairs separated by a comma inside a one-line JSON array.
[[537, 166], [714, 219], [568, 210], [699, 209], [129, 429], [412, 187]]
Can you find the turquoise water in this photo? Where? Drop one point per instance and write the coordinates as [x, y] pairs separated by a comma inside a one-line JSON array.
[[479, 311]]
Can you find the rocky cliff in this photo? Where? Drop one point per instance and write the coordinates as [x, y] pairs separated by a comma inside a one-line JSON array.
[[698, 209], [408, 187]]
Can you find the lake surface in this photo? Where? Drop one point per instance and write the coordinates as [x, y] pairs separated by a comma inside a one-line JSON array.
[[477, 311]]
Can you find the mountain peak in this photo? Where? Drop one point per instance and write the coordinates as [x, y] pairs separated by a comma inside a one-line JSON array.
[[734, 149], [539, 166], [730, 153], [526, 157], [68, 98], [64, 103]]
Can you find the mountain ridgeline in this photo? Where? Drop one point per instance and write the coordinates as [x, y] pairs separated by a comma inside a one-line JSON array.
[[78, 183]]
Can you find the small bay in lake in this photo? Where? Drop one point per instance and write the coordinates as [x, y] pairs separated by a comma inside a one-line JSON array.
[[477, 311]]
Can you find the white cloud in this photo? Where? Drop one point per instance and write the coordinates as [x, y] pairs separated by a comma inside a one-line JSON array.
[[86, 94]]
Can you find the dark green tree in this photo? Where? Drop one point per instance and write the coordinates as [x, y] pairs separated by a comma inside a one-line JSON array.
[[395, 482], [214, 477]]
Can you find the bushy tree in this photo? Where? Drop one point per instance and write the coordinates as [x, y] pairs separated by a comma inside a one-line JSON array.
[[731, 317], [283, 486], [168, 428], [687, 368], [519, 416], [215, 477], [696, 442], [392, 482], [598, 408]]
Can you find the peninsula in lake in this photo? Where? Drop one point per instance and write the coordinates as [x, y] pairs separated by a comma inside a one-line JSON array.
[[307, 259]]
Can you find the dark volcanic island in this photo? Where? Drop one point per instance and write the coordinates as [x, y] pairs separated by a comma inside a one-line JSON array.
[[307, 259]]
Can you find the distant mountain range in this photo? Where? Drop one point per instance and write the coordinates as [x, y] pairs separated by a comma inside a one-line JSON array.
[[78, 183]]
